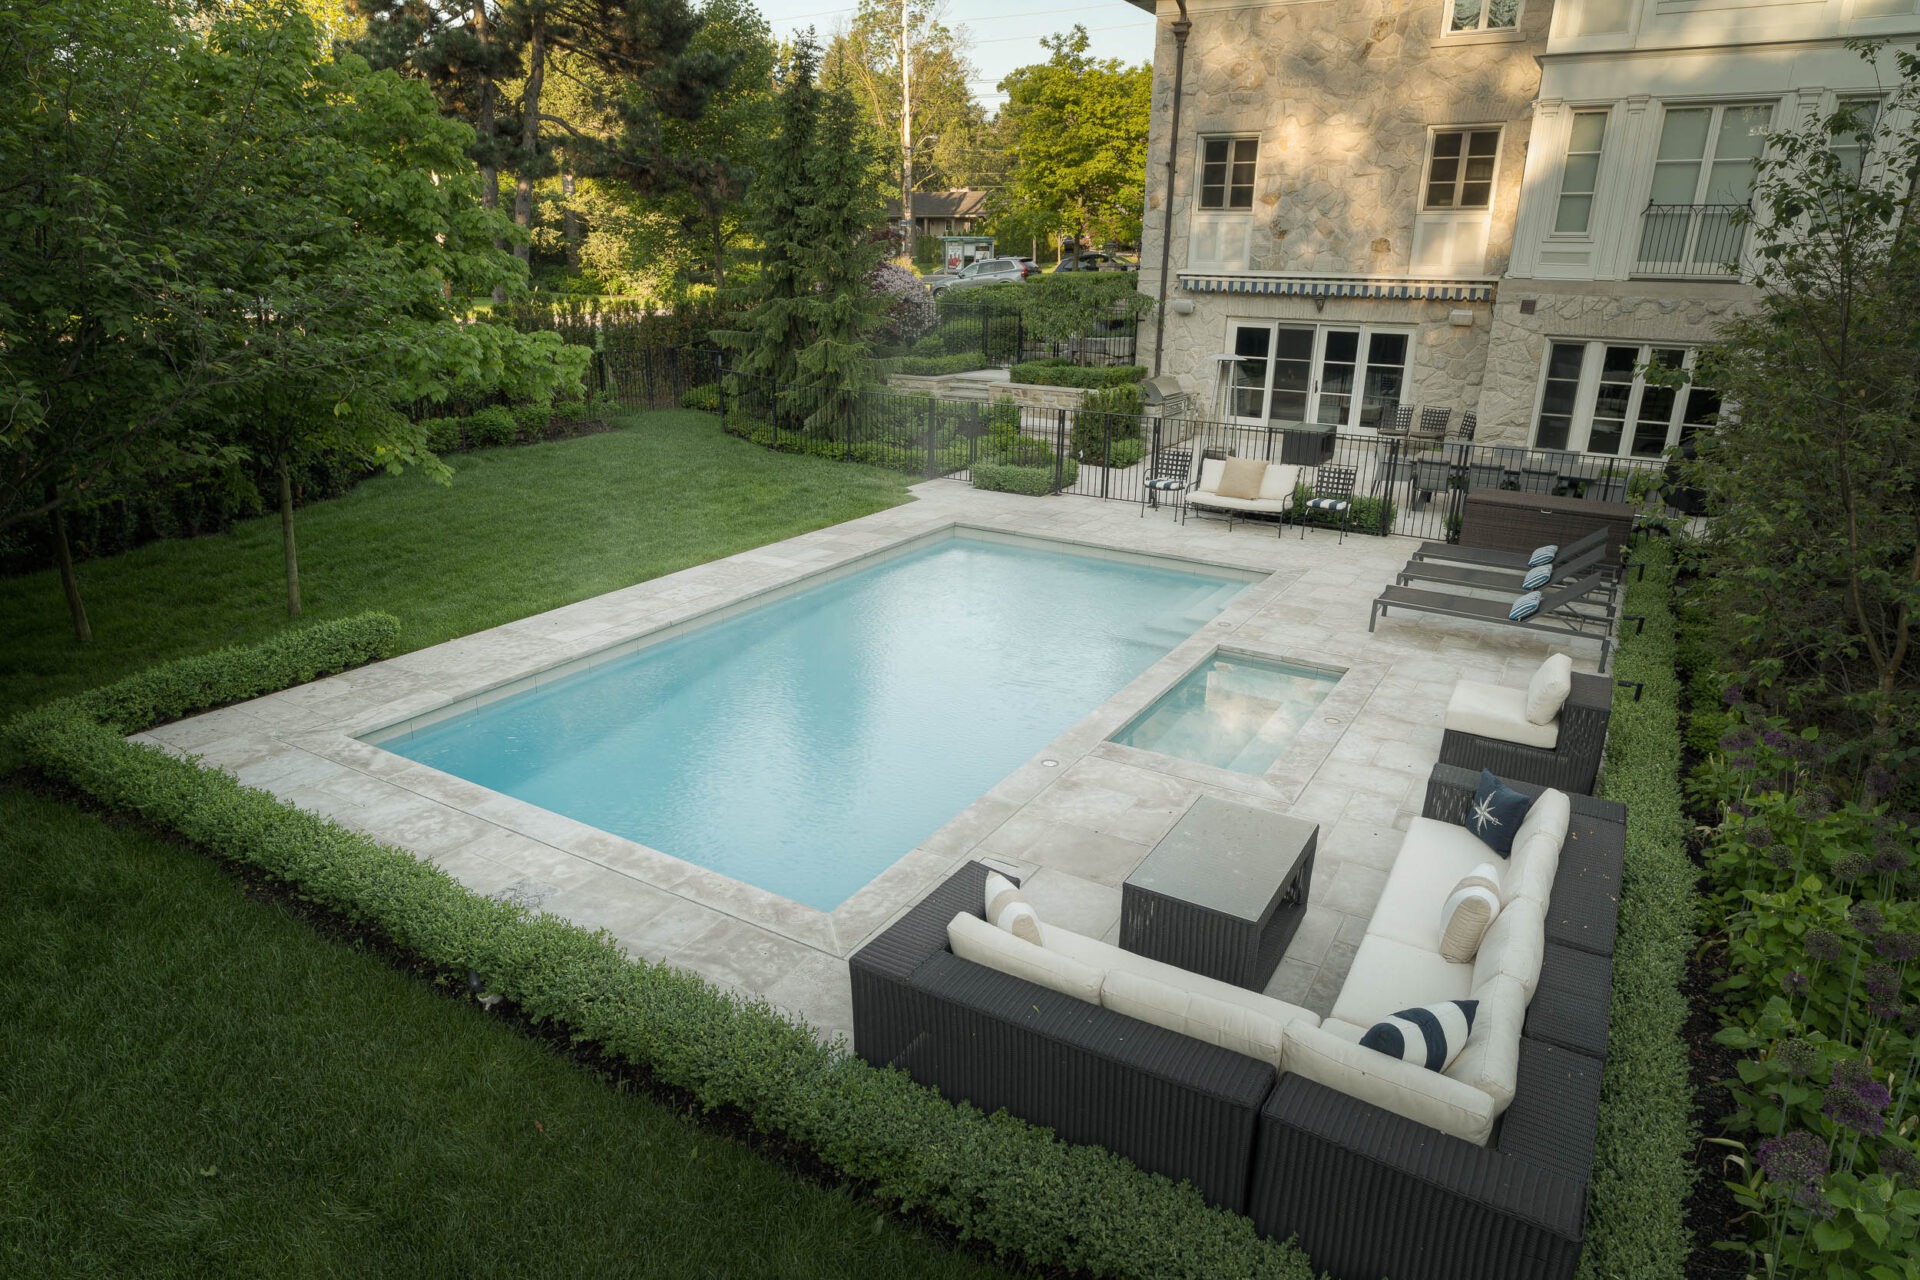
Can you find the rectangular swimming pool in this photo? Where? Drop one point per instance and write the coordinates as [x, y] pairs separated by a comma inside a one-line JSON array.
[[805, 745], [1232, 711]]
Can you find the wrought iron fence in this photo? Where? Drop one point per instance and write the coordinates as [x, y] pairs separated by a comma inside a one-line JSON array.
[[1406, 487], [994, 329], [1691, 239]]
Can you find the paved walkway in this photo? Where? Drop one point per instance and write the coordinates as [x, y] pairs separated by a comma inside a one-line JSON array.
[[1073, 829]]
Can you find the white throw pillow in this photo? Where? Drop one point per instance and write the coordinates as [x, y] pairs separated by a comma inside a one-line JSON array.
[[974, 939], [1548, 689], [1469, 909], [1008, 908]]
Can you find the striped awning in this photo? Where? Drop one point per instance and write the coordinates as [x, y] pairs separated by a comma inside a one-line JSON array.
[[1339, 286]]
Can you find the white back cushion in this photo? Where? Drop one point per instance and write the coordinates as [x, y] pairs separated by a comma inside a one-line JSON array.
[[1548, 689], [1110, 960], [1515, 946], [1243, 1030], [1211, 469], [1491, 1060], [1535, 858], [1278, 484], [974, 939], [1437, 1101]]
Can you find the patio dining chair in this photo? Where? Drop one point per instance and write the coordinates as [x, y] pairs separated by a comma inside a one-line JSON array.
[[1433, 424], [1538, 479], [1332, 493], [1485, 475], [1169, 476], [1469, 423], [1399, 422], [1431, 476]]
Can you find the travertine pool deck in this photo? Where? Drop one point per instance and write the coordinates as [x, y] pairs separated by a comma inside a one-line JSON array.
[[1073, 821]]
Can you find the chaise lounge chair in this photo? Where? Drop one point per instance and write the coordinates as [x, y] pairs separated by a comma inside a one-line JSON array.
[[1489, 558], [1561, 610], [1510, 582]]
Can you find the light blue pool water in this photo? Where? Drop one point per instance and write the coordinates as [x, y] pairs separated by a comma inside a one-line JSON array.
[[1232, 712], [805, 745]]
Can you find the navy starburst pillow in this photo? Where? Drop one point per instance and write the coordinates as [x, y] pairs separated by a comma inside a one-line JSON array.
[[1497, 812]]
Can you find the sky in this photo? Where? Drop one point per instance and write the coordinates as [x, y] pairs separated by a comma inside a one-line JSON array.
[[1005, 33]]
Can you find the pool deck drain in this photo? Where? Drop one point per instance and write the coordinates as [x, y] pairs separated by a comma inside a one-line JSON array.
[[1074, 820]]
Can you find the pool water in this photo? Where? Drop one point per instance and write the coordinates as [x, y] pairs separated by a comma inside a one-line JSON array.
[[805, 745], [1232, 712]]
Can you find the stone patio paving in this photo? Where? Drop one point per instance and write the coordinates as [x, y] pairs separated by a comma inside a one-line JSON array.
[[1073, 829]]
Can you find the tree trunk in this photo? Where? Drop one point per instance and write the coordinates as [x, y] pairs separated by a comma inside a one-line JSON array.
[[63, 556], [530, 133], [570, 222], [719, 250], [489, 172], [288, 551]]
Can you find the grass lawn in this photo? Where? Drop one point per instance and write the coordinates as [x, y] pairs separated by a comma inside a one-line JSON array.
[[519, 531], [197, 1084]]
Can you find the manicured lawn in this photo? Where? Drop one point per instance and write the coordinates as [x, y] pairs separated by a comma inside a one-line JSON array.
[[197, 1084], [518, 531]]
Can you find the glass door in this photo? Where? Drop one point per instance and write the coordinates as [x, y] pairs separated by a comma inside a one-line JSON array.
[[1339, 359], [1386, 377], [1339, 376], [1292, 374], [1251, 347]]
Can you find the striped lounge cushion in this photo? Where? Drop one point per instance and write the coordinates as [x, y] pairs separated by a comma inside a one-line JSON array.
[[1008, 908], [1327, 504], [1166, 484], [1524, 606], [1430, 1036], [1543, 555], [1537, 578], [1467, 913]]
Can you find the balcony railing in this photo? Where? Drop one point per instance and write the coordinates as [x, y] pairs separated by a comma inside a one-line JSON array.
[[1691, 239]]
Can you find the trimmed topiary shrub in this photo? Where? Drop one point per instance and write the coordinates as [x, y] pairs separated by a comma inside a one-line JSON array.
[[1057, 372], [491, 427]]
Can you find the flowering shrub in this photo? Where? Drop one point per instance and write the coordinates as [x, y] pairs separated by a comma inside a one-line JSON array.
[[907, 305], [1813, 894]]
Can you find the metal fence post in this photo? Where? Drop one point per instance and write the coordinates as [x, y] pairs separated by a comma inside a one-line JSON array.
[[1386, 495], [600, 371], [1060, 452], [933, 438], [652, 393], [1106, 455]]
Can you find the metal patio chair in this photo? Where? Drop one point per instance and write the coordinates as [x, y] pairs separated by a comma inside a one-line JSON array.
[[1469, 423], [1397, 423], [1433, 424], [1333, 493], [1170, 476]]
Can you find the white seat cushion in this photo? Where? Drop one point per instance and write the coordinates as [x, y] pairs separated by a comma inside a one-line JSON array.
[[1515, 946], [1388, 976], [1224, 503], [1491, 1060], [1278, 484], [1426, 1097], [1232, 1026], [1348, 1031], [1107, 958], [1433, 858], [974, 939], [1493, 711], [1547, 691], [1535, 857]]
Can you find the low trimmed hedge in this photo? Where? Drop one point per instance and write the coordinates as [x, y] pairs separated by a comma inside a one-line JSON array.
[[927, 366], [1013, 477], [1642, 1172], [1057, 372], [993, 1178]]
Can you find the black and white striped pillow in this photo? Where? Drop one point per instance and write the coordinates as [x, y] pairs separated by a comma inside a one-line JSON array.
[[1431, 1036]]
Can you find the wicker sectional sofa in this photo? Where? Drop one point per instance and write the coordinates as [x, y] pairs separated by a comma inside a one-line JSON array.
[[1366, 1191]]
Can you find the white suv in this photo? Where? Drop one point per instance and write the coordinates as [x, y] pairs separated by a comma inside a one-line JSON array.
[[985, 271]]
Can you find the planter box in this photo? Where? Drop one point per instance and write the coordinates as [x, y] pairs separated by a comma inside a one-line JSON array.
[[1511, 521]]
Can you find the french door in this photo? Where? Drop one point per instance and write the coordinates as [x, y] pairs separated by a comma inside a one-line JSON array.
[[1346, 375]]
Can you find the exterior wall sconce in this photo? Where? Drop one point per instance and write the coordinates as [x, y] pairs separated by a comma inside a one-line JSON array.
[[1182, 306]]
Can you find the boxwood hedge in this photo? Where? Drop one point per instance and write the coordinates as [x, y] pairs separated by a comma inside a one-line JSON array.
[[994, 1179], [1642, 1172]]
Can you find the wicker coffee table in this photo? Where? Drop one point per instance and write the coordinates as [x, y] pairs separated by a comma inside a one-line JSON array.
[[1222, 893]]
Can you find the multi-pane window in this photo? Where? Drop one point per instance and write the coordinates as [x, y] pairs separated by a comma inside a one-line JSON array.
[[1850, 143], [1596, 398], [1574, 214], [1346, 375], [1483, 15], [1460, 169], [1226, 172], [1702, 180]]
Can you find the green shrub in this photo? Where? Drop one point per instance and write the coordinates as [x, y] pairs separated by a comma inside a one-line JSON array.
[[705, 397], [1006, 477], [994, 1179], [1369, 515], [533, 420], [569, 410], [1642, 1170], [1108, 420], [492, 427], [925, 366], [1126, 453], [445, 435], [1064, 373]]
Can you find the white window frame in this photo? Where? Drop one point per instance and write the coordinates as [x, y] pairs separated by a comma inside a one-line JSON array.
[[1316, 366], [1449, 8], [1685, 267], [1466, 131], [1233, 141], [1587, 391], [1864, 173], [1599, 171]]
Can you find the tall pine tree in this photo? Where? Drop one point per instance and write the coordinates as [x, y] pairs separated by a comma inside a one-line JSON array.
[[841, 231]]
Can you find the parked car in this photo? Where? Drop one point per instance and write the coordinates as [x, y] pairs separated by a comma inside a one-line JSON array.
[[985, 271], [1094, 262]]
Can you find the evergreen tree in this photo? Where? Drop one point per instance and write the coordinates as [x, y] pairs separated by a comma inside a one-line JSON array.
[[841, 230]]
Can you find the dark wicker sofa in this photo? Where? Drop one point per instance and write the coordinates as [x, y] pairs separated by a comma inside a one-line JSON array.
[[1572, 764], [1366, 1192]]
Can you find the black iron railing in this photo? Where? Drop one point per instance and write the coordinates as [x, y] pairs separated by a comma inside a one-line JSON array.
[[1691, 239]]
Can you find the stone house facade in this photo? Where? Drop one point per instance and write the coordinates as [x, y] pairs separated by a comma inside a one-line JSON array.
[[1508, 207]]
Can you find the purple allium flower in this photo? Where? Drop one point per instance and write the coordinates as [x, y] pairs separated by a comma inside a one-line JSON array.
[[1738, 738], [1740, 809], [1794, 982], [1884, 1008], [1891, 855], [1875, 786], [1849, 867], [1815, 802], [1796, 1163], [1822, 945], [1866, 918], [1779, 857], [1855, 1100], [1775, 739], [1796, 1057], [1758, 834], [1897, 947], [1881, 980], [1899, 1164], [1733, 697]]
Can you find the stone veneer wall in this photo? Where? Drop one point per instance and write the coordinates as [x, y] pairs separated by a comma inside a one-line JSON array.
[[1341, 96], [1670, 312]]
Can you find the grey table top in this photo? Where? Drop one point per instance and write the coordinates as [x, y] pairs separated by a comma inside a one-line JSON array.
[[1224, 857]]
